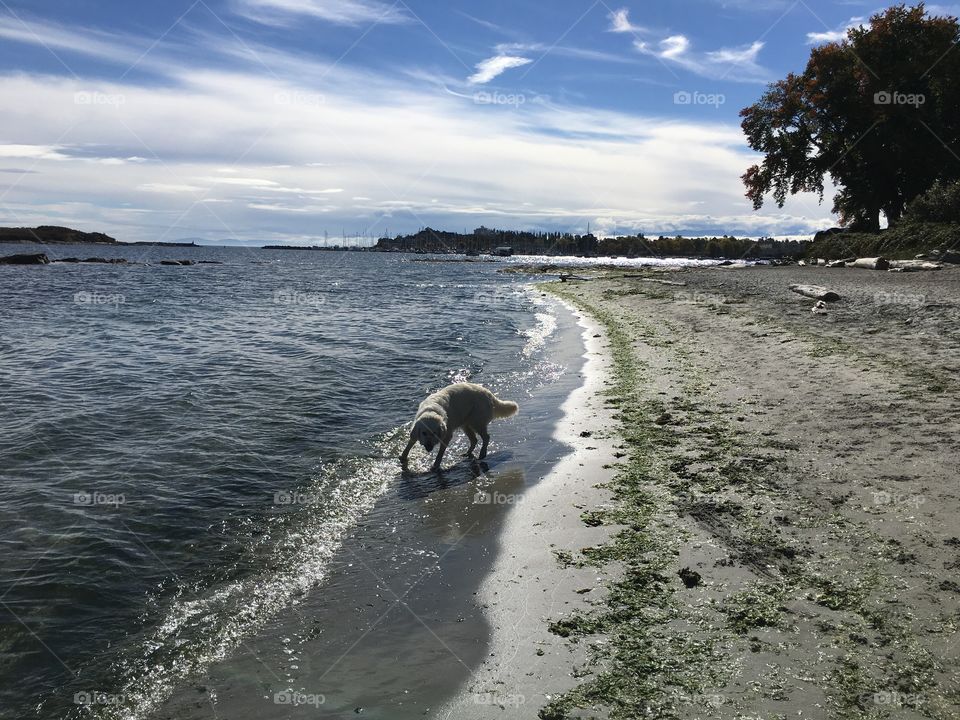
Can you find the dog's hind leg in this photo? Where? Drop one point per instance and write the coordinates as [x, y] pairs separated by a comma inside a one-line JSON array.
[[472, 436], [486, 441]]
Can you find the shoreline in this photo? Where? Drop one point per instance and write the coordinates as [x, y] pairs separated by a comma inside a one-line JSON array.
[[401, 624], [527, 587]]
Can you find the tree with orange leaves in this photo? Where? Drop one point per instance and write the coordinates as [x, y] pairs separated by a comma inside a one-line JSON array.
[[878, 112]]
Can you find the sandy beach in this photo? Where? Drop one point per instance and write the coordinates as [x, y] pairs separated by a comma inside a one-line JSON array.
[[786, 520]]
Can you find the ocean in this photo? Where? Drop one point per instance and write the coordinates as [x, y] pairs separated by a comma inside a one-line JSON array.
[[193, 459]]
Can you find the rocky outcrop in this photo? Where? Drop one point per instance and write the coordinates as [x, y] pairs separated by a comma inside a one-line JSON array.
[[28, 259]]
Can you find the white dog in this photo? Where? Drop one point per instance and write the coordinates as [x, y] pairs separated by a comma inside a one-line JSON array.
[[464, 405]]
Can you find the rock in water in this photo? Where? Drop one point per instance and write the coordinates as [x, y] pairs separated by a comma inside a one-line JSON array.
[[37, 259]]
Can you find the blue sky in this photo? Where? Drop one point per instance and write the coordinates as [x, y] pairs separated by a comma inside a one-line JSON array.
[[293, 120]]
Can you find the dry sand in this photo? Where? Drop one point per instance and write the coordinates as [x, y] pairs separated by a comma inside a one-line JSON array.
[[805, 465]]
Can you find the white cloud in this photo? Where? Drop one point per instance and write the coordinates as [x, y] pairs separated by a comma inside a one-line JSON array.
[[835, 35], [33, 152], [340, 12], [674, 46], [495, 66], [716, 64], [741, 56], [620, 22]]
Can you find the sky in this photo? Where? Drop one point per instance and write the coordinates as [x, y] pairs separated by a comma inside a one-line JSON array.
[[307, 121]]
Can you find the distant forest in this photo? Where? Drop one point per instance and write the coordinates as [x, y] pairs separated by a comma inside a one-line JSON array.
[[543, 243]]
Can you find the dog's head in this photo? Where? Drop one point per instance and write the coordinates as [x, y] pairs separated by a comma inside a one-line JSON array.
[[428, 430]]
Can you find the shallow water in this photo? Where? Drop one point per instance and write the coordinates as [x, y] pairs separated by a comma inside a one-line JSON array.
[[184, 448]]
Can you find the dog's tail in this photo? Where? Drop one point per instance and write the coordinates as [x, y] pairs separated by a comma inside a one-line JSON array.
[[504, 408]]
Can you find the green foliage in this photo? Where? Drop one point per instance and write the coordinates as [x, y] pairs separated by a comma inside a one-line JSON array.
[[902, 241], [879, 113], [941, 203], [707, 247]]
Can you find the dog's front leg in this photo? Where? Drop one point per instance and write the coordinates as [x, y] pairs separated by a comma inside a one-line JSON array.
[[444, 441], [406, 453]]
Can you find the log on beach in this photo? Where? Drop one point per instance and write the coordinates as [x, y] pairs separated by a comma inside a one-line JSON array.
[[913, 265], [663, 282], [816, 292], [877, 263]]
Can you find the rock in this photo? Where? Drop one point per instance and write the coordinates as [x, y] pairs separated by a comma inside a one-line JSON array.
[[816, 292], [586, 434], [37, 259], [177, 262], [725, 263], [664, 419], [691, 578], [950, 257], [209, 262], [106, 261], [69, 260], [820, 308]]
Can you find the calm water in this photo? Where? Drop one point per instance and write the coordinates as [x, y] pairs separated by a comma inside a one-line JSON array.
[[182, 448]]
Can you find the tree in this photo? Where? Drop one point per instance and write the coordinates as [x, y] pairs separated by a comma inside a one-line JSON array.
[[878, 112]]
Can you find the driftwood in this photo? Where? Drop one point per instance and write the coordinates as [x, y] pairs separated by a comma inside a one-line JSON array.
[[913, 265], [816, 292], [564, 277], [840, 263], [662, 282], [877, 263]]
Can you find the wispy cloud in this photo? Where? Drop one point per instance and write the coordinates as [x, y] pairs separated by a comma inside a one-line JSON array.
[[835, 35], [340, 12], [620, 22], [490, 68], [715, 64]]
